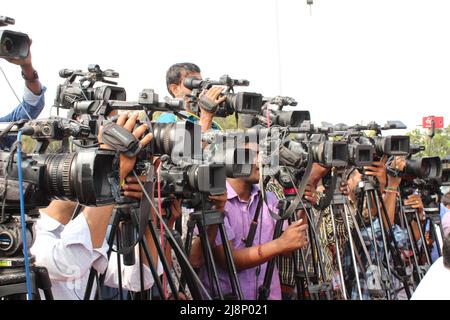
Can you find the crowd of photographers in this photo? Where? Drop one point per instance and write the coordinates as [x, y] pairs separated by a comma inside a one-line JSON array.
[[353, 249]]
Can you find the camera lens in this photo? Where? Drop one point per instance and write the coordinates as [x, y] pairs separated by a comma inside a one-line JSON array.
[[6, 240], [180, 139], [7, 45], [81, 177]]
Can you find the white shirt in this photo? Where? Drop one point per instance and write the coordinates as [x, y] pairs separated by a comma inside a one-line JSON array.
[[67, 253], [436, 283]]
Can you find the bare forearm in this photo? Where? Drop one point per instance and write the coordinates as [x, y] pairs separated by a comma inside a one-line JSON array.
[[98, 219], [390, 200], [33, 85], [206, 121], [254, 256], [415, 230]]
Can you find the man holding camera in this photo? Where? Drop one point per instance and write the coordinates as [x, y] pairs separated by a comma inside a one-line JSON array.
[[175, 85], [243, 195], [69, 248], [33, 98]]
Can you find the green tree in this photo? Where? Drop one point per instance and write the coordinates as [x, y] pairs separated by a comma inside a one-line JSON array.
[[438, 146]]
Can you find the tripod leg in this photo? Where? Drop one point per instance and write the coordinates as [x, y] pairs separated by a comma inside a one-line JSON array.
[[393, 247], [352, 250], [424, 246], [234, 279], [413, 244], [209, 262], [386, 281], [338, 254], [316, 240], [119, 267], [161, 255], [264, 289]]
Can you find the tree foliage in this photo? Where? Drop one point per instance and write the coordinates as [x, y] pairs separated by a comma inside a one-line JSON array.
[[438, 146]]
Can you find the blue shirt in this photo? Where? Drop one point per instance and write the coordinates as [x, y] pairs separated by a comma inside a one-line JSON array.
[[31, 104], [170, 118], [366, 232]]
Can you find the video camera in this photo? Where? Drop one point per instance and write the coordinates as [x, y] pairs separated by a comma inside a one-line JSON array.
[[272, 114], [90, 104], [13, 45], [241, 102], [82, 177]]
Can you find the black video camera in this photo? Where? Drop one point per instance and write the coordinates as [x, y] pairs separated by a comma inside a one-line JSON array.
[[272, 114], [241, 102], [13, 45]]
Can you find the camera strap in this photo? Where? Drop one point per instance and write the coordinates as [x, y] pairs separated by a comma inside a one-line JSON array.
[[145, 203], [325, 201], [394, 172], [300, 191], [120, 139], [208, 104], [254, 224]]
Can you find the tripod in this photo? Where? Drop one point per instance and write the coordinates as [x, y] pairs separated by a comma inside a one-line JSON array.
[[314, 289], [410, 215], [370, 197], [433, 219], [202, 218], [123, 231], [13, 280]]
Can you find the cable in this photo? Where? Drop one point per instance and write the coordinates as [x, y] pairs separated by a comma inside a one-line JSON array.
[[161, 227], [22, 215], [12, 89]]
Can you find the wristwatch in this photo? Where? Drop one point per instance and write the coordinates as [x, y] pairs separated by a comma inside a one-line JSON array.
[[34, 77]]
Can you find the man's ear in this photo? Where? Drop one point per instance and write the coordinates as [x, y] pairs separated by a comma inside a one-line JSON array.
[[174, 89]]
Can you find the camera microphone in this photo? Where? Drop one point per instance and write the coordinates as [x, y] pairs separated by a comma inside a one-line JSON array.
[[65, 73]]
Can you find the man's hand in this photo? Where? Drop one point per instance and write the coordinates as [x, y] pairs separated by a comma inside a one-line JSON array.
[[132, 187], [294, 237], [311, 195], [128, 122], [27, 68], [344, 188], [415, 201], [211, 97], [378, 170], [399, 164], [219, 201]]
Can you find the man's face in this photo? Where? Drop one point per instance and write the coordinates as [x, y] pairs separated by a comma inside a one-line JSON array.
[[254, 176], [179, 90]]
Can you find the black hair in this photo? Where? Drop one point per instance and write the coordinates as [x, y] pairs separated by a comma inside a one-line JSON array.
[[173, 75]]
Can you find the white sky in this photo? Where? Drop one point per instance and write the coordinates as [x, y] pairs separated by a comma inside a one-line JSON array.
[[351, 61]]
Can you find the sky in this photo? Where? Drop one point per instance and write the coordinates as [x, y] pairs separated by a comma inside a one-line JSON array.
[[350, 61]]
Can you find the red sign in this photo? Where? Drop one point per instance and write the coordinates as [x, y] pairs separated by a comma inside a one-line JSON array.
[[427, 122]]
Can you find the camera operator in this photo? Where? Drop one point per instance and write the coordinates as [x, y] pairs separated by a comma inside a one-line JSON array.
[[174, 81], [389, 186], [69, 248], [243, 195], [33, 97]]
